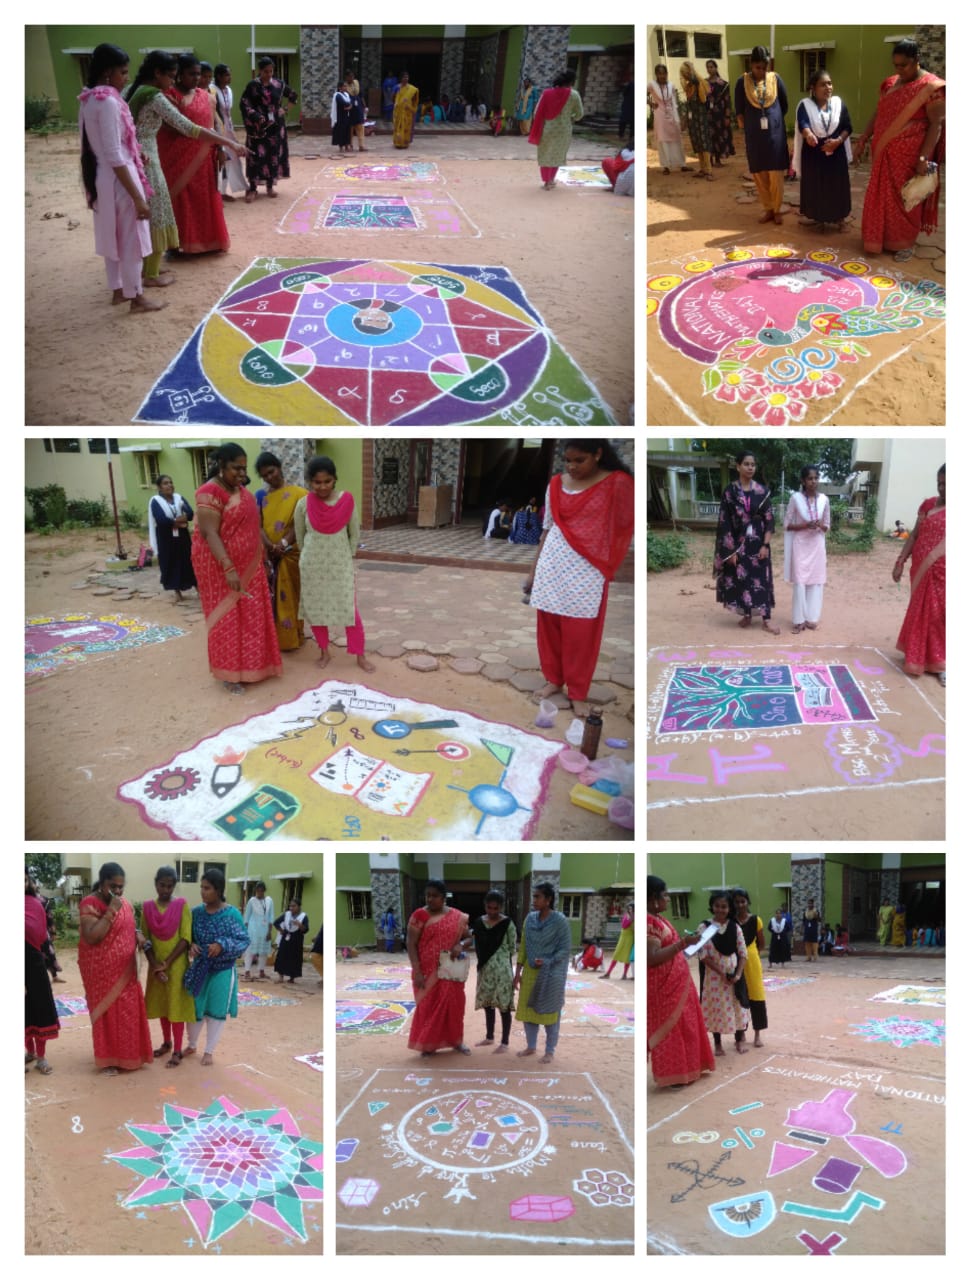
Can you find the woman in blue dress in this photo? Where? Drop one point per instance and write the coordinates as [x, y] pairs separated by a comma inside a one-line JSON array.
[[219, 938], [761, 104]]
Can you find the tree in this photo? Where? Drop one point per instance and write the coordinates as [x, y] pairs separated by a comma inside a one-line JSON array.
[[45, 868], [777, 458]]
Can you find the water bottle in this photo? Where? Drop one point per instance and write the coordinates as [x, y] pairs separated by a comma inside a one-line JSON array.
[[591, 735]]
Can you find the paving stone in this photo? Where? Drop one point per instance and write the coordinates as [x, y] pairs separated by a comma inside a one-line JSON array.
[[414, 645], [491, 657], [466, 666], [391, 650], [464, 651], [498, 671], [601, 694], [104, 591], [438, 649], [422, 662], [527, 681], [622, 664], [523, 662], [623, 678], [80, 586]]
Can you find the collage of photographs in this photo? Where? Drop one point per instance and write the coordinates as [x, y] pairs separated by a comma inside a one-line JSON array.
[[300, 588]]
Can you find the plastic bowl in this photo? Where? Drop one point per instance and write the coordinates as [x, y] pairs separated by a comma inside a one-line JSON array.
[[546, 715], [572, 761], [620, 812]]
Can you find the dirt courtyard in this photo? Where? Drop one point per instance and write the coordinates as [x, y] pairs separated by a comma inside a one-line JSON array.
[[571, 250], [543, 1157], [877, 773], [76, 1117], [878, 370], [831, 1137]]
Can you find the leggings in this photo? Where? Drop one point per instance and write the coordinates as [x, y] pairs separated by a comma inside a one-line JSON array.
[[506, 1024], [548, 172], [552, 1033], [173, 1031], [355, 635], [214, 1029], [152, 265], [738, 1037], [36, 1045]]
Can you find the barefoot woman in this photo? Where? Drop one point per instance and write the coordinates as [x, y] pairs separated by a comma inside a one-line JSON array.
[[742, 548], [722, 968]]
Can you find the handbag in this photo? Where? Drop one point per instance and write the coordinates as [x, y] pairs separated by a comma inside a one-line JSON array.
[[741, 992], [919, 186], [450, 970]]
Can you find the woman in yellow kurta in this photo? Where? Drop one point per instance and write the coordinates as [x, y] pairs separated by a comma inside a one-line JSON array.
[[886, 914], [405, 109], [623, 954], [753, 933], [899, 927], [277, 503], [167, 926]]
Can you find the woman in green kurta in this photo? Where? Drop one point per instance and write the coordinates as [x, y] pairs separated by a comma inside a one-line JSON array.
[[494, 935], [552, 125], [327, 532], [886, 913], [167, 926], [623, 952], [151, 109], [540, 974]]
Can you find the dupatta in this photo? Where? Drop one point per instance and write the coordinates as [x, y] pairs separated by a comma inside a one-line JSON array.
[[596, 522], [770, 93], [550, 941], [551, 104], [327, 517], [226, 928], [163, 925]]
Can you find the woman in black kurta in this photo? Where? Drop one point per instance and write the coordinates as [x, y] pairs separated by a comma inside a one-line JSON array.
[[292, 925], [742, 548], [719, 106], [761, 104], [823, 151], [169, 516]]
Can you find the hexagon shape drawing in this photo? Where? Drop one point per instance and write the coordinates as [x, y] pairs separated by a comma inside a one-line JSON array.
[[358, 1192], [603, 1188], [536, 1208]]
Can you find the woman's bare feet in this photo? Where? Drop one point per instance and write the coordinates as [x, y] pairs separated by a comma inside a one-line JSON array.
[[142, 304], [480, 1044], [207, 1059], [547, 1058], [109, 1071], [768, 216], [745, 620], [233, 686], [718, 1051], [526, 1053], [799, 626], [324, 658], [250, 196], [758, 1041], [175, 1059], [272, 194], [778, 222], [364, 663], [161, 281], [580, 708], [547, 691], [502, 1048], [769, 626], [740, 1046], [116, 297], [188, 1050]]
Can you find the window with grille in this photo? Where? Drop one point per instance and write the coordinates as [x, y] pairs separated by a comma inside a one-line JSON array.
[[281, 65], [359, 906], [679, 906], [707, 44], [147, 469], [189, 872], [102, 446], [812, 60], [571, 905], [675, 44], [67, 446]]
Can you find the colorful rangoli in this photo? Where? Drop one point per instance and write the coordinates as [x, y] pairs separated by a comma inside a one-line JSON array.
[[909, 994], [226, 1166], [384, 1017], [903, 1033], [354, 342], [583, 175], [50, 643], [784, 338], [404, 171], [431, 213], [351, 763], [261, 999]]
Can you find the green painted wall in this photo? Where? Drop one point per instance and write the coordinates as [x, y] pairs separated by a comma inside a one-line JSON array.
[[347, 454], [604, 35], [858, 64], [833, 905], [175, 463], [513, 61], [595, 869], [39, 77], [756, 872], [352, 868], [263, 866]]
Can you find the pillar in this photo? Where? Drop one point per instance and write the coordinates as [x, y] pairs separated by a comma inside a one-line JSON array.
[[807, 881], [320, 70], [544, 53], [293, 452]]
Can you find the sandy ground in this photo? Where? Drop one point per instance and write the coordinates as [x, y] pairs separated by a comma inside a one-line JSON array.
[[863, 607], [75, 1116], [810, 1048], [90, 363], [581, 1118], [685, 215], [96, 724]]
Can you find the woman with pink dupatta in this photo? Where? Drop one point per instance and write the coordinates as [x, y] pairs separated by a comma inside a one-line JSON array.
[[327, 532], [106, 957], [923, 637], [436, 940], [907, 137], [552, 125]]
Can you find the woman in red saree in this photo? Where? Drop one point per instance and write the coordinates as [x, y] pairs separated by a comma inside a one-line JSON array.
[[677, 1041], [227, 556], [923, 637], [189, 166], [587, 528], [907, 135], [435, 942], [106, 957]]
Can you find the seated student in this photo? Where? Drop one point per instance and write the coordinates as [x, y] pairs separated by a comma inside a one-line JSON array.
[[456, 112], [497, 122], [616, 166], [841, 945], [499, 522], [900, 531], [591, 957], [826, 941], [526, 525]]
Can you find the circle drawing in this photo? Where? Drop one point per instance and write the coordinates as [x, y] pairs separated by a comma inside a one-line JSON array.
[[479, 1122]]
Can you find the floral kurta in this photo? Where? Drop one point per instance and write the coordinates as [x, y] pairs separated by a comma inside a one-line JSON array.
[[565, 582], [558, 133], [494, 989], [151, 115], [744, 583], [326, 570], [719, 1004]]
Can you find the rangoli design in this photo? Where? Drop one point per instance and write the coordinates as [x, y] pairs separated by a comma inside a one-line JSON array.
[[583, 175], [353, 342], [225, 1166], [783, 337], [50, 643], [346, 762], [384, 1017], [901, 1032], [406, 171], [431, 213], [261, 1000], [909, 994]]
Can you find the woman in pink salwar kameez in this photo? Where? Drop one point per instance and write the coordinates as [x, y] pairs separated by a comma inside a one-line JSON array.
[[807, 521], [114, 178], [435, 940], [923, 637]]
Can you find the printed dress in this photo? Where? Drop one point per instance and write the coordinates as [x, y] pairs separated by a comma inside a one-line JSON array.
[[677, 1042], [557, 133], [744, 583], [169, 999], [494, 988], [719, 1003], [151, 109], [326, 569]]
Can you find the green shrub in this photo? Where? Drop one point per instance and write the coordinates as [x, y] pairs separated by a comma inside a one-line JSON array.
[[37, 112], [131, 519], [88, 511], [665, 551], [49, 504]]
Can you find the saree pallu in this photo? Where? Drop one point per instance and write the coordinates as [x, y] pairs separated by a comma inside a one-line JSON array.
[[677, 1042], [922, 639], [116, 1005], [744, 583], [276, 507], [191, 179], [439, 1015], [897, 138], [405, 110], [242, 634]]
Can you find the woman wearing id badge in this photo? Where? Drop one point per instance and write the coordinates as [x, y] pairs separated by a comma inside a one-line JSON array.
[[742, 549], [761, 104]]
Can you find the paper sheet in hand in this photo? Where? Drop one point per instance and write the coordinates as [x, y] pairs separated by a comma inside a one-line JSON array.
[[706, 936]]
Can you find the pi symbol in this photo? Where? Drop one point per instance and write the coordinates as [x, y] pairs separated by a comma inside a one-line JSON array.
[[76, 1125]]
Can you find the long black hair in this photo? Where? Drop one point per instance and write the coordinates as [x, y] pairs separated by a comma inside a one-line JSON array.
[[105, 58], [217, 878], [610, 460], [157, 60]]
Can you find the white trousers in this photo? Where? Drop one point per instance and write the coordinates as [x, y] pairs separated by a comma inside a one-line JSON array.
[[124, 274], [806, 603]]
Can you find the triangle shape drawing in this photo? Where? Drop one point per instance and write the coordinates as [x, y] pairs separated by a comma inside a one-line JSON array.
[[785, 1156], [374, 1107], [499, 750]]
